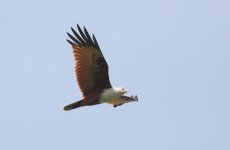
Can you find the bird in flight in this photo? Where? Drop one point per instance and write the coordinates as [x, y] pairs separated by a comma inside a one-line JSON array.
[[92, 73]]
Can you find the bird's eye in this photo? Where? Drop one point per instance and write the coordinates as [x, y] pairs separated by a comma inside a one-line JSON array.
[[123, 89]]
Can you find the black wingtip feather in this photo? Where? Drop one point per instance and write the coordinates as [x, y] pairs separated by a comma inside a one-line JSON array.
[[74, 39], [70, 42], [77, 36], [88, 36], [81, 38], [82, 33], [95, 42], [78, 26]]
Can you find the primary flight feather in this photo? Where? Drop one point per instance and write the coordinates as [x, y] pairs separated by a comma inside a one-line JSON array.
[[92, 73]]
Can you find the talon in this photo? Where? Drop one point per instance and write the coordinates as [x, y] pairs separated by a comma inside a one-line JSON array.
[[136, 98]]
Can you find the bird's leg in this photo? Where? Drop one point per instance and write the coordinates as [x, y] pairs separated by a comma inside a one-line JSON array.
[[136, 98]]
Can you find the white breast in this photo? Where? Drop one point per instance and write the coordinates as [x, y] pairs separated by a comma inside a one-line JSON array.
[[109, 95]]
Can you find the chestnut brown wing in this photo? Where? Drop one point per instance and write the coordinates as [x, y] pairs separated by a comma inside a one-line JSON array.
[[91, 66]]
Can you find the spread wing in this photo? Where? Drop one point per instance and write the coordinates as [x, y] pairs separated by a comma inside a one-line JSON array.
[[91, 66], [122, 100]]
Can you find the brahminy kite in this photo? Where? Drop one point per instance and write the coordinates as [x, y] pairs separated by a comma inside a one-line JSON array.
[[92, 73]]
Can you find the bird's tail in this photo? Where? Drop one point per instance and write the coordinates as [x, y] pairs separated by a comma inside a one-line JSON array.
[[74, 105]]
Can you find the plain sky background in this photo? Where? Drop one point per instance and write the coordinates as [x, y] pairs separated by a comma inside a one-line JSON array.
[[173, 54]]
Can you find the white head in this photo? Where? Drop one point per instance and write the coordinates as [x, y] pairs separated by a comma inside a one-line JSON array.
[[120, 90]]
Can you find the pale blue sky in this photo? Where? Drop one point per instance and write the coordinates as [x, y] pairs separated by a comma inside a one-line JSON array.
[[174, 54]]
